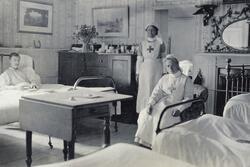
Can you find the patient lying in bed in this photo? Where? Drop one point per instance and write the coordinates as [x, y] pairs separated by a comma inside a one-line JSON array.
[[15, 78], [207, 141]]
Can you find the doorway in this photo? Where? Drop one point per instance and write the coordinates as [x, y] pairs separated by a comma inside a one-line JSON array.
[[178, 29]]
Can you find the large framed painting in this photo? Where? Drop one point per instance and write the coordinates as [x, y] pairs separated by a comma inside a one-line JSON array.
[[35, 17], [111, 21], [235, 1]]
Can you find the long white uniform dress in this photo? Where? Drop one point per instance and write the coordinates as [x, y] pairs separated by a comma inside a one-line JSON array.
[[170, 89], [149, 67]]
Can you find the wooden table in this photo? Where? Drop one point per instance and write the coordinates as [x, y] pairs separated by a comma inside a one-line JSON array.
[[56, 115]]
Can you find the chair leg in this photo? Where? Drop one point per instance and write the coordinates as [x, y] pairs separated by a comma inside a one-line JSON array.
[[50, 143]]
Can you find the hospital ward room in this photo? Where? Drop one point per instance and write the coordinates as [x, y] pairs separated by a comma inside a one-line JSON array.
[[124, 83]]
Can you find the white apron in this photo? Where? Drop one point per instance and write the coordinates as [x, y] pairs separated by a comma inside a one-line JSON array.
[[150, 70]]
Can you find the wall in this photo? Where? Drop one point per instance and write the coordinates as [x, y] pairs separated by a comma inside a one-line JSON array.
[[180, 26], [175, 18], [45, 61], [45, 58], [140, 14], [63, 19]]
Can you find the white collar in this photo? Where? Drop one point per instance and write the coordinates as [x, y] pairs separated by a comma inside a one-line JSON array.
[[151, 39], [156, 38], [13, 68], [176, 75]]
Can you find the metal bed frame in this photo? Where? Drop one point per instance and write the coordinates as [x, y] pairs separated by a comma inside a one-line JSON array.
[[1, 59], [232, 80], [192, 109]]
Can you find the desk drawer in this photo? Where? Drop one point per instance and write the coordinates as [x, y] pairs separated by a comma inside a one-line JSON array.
[[94, 112], [96, 61]]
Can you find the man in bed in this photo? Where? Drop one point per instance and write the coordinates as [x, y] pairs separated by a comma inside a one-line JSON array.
[[15, 78]]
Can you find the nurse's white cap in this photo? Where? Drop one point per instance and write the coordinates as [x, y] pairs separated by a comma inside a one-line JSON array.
[[153, 25]]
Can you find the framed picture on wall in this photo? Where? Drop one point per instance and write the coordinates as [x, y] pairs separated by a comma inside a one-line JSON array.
[[111, 21], [35, 17], [235, 1]]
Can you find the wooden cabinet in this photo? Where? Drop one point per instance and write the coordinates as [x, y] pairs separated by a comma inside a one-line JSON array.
[[121, 67]]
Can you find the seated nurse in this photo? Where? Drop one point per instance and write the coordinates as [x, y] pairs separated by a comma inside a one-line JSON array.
[[15, 78], [172, 88]]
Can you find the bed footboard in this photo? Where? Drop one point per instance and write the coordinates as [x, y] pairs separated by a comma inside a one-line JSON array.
[[194, 111]]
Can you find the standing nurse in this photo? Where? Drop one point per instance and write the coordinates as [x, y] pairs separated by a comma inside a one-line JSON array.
[[149, 65]]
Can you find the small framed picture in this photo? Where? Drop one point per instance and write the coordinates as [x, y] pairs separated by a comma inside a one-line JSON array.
[[35, 17]]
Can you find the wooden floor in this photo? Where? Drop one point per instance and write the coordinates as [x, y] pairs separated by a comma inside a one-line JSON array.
[[89, 140]]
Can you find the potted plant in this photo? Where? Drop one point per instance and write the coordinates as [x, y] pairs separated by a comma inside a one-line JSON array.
[[84, 34]]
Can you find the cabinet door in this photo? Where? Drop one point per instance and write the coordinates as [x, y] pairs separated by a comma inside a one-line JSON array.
[[67, 69], [121, 72], [81, 66]]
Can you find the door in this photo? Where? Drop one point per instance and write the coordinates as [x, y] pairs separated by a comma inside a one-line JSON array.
[[177, 28]]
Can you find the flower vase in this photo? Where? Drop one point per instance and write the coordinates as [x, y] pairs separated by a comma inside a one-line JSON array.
[[84, 47]]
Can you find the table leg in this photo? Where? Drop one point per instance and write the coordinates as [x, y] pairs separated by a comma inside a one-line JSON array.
[[50, 143], [1, 63], [72, 149], [65, 150], [115, 106], [106, 131], [28, 148]]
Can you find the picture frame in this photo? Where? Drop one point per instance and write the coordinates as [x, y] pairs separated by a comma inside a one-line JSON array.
[[35, 17], [111, 21], [235, 1]]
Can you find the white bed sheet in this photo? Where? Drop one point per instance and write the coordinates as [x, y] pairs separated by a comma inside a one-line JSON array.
[[9, 99], [123, 155], [209, 141], [238, 108]]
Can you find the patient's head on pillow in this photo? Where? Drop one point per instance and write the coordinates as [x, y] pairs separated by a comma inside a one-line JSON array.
[[14, 60], [171, 64]]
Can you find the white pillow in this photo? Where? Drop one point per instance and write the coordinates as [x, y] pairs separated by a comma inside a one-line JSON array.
[[25, 61], [187, 67]]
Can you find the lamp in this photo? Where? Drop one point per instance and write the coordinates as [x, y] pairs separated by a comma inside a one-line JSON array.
[[207, 10]]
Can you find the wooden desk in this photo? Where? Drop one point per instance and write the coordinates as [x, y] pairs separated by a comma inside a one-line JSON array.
[[56, 115]]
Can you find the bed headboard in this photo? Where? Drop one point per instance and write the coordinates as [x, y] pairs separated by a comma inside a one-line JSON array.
[[25, 61], [232, 80], [1, 60]]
